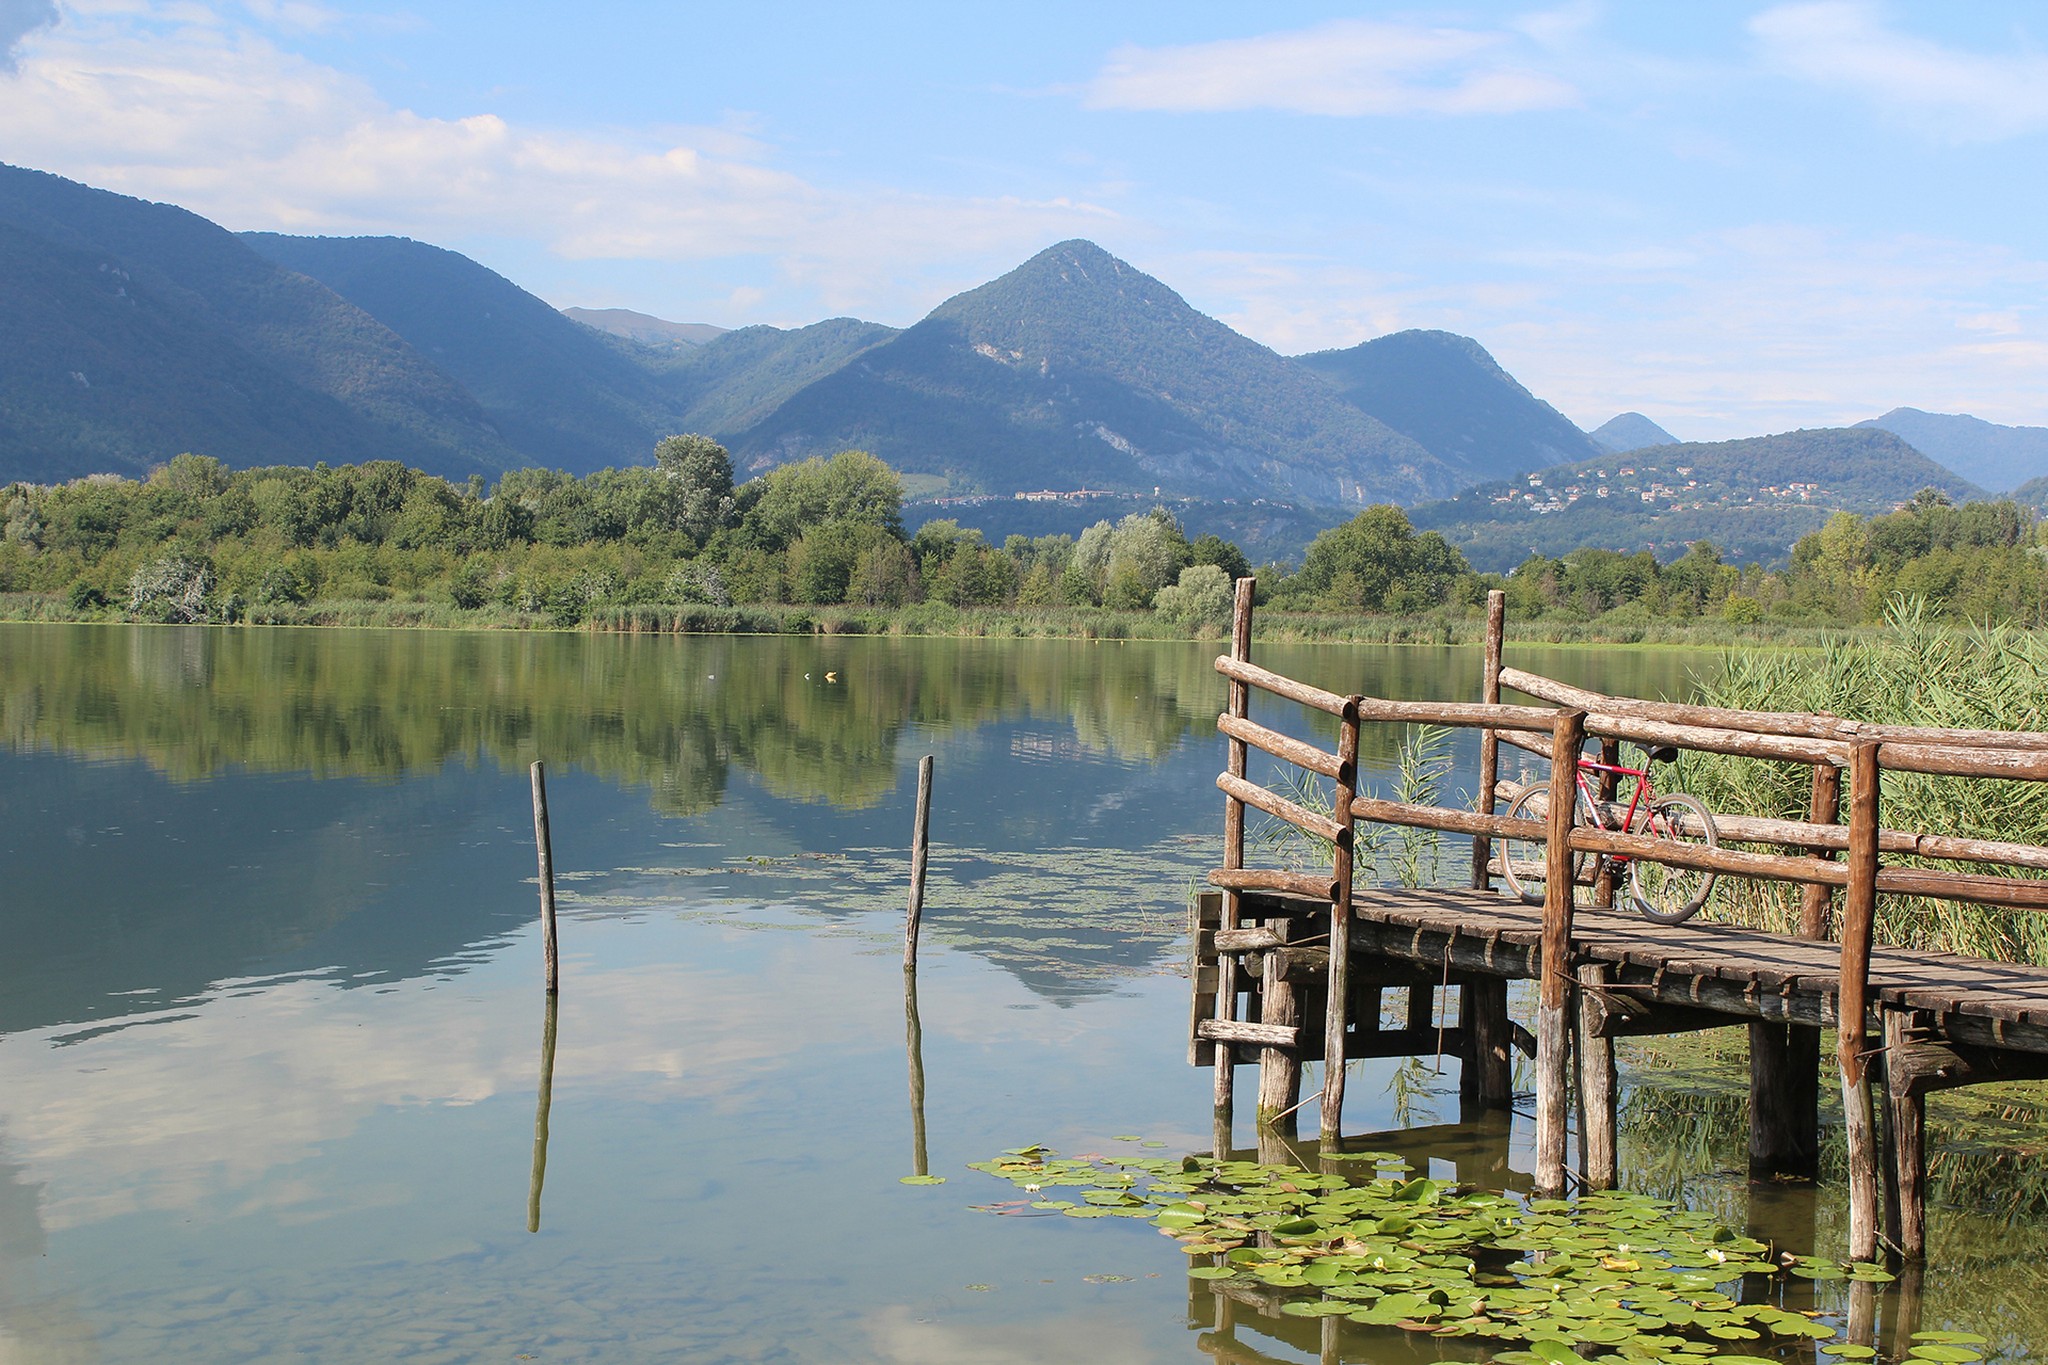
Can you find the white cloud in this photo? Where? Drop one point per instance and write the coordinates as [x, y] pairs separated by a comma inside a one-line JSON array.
[[219, 119], [1965, 96], [18, 19], [1348, 67]]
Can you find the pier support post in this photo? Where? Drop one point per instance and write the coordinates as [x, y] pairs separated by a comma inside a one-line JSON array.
[[1784, 1099], [1489, 741], [1907, 1113], [1859, 912], [1599, 1156], [1279, 1067], [1487, 1068], [1553, 1028]]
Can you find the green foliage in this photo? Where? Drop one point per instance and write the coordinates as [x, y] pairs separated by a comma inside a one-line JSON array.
[[1376, 563], [1200, 598], [1916, 672]]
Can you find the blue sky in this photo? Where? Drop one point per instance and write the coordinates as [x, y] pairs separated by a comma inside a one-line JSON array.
[[1735, 218]]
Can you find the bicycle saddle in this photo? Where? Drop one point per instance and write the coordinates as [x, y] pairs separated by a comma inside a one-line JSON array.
[[1663, 753]]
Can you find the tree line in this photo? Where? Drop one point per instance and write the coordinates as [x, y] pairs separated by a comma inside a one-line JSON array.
[[196, 541]]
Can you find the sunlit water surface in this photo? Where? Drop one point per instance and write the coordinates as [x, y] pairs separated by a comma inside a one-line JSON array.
[[272, 1020]]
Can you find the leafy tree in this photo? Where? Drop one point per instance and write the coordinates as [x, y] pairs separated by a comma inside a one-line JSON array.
[[1377, 563], [698, 475]]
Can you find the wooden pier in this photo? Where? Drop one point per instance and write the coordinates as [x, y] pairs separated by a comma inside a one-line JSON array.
[[1290, 967]]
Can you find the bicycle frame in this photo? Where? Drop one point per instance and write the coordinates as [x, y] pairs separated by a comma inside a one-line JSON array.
[[1644, 787]]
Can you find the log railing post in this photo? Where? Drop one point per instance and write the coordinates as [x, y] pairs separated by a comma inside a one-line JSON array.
[[1553, 1026], [1907, 1115], [1489, 741], [1859, 914], [1225, 1054], [1338, 1012]]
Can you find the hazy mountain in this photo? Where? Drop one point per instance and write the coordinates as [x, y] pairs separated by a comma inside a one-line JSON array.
[[1995, 456], [561, 394], [1445, 393], [1752, 498], [738, 378], [1078, 369], [133, 331], [1631, 431], [646, 329]]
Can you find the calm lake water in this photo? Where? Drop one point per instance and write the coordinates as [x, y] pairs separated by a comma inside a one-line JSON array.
[[272, 1019]]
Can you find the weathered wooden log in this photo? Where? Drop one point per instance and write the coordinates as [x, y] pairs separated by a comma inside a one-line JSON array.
[[1917, 1066], [1599, 1152], [1957, 760], [1444, 818], [1245, 1031], [1625, 1014], [1535, 744], [1859, 907], [913, 1049], [1301, 817], [1552, 1025], [1789, 723], [1820, 838], [1280, 685], [2019, 893], [1281, 746], [1535, 719], [1303, 884], [543, 1103], [1781, 867], [1489, 739]]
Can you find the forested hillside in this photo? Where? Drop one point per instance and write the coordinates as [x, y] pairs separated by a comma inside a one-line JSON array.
[[132, 331], [1753, 498]]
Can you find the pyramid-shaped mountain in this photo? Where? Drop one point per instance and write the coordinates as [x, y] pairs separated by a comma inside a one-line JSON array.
[[1078, 370], [133, 331], [1444, 392]]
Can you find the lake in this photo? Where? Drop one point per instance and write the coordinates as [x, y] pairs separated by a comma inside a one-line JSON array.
[[272, 1026]]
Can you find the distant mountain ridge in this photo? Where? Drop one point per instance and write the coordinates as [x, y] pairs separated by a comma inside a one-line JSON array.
[[133, 331], [1631, 431], [1999, 457], [1445, 393], [645, 328], [1078, 369], [1752, 498]]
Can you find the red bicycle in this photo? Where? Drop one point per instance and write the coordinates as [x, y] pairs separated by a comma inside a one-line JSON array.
[[1665, 894]]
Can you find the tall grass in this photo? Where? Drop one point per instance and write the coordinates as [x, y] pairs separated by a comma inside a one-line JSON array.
[[1914, 672], [1398, 855]]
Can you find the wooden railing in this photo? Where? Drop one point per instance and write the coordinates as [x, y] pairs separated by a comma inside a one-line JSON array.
[[1831, 746]]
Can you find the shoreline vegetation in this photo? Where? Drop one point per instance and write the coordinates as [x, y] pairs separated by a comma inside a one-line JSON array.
[[819, 547]]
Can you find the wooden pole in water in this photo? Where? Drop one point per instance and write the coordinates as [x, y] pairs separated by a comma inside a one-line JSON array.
[[540, 1114], [1489, 741], [919, 845], [913, 1044], [1908, 1115], [1337, 1012], [1784, 1059], [1225, 1056], [1859, 911], [1553, 1028], [547, 876]]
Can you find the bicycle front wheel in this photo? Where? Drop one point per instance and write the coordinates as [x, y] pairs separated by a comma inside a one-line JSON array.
[[1524, 863], [1673, 895]]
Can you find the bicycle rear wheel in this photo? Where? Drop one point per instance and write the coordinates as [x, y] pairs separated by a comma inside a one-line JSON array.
[[1673, 895], [1524, 863]]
